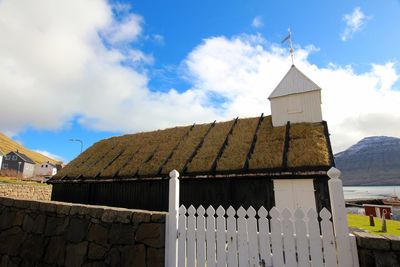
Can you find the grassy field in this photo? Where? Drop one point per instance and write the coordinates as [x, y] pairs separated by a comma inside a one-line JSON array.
[[362, 222], [10, 180]]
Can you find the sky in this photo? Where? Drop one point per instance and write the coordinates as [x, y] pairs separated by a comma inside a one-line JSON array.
[[90, 70]]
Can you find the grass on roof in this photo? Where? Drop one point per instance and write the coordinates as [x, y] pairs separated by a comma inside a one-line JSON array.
[[239, 142], [110, 155], [186, 148], [150, 144], [208, 152], [73, 168], [307, 146], [144, 154], [98, 152], [268, 150], [173, 137], [132, 145]]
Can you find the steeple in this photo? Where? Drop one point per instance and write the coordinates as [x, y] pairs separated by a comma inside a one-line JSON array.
[[296, 99], [294, 82]]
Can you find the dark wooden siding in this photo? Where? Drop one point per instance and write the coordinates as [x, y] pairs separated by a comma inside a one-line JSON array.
[[228, 192], [153, 195]]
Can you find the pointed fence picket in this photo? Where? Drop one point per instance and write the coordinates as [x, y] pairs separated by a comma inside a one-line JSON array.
[[201, 237], [243, 238], [239, 238]]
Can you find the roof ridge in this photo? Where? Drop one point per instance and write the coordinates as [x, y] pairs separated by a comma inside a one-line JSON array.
[[24, 157]]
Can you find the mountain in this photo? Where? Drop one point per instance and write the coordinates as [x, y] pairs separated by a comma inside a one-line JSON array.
[[372, 161], [7, 145]]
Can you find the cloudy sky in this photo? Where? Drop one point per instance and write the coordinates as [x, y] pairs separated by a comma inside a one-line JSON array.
[[94, 69]]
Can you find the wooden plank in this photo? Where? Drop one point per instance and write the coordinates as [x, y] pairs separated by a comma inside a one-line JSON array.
[[201, 237], [328, 239], [243, 247], [264, 239], [314, 238], [191, 237], [252, 234], [214, 165], [276, 238], [210, 236], [221, 237], [197, 148], [303, 255], [253, 144], [231, 237], [288, 239], [286, 146], [173, 151], [182, 236]]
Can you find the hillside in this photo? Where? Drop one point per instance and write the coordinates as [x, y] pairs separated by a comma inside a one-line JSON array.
[[7, 145], [372, 161]]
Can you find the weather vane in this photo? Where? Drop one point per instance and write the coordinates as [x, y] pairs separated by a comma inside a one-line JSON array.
[[289, 40]]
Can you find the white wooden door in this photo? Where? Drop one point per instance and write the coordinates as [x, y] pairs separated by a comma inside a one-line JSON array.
[[294, 193]]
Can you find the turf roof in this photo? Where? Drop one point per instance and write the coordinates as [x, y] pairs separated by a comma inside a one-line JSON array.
[[249, 145]]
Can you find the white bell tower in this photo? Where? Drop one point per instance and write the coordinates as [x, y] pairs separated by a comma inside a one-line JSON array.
[[295, 99]]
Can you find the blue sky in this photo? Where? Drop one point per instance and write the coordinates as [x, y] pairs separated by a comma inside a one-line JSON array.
[[95, 70]]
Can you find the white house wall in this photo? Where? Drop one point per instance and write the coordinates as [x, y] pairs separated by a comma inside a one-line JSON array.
[[50, 170], [1, 161], [28, 170], [286, 108]]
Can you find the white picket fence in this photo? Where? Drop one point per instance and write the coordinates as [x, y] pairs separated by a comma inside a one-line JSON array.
[[216, 238]]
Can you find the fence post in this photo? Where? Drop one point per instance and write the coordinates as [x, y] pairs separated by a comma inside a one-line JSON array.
[[171, 240], [339, 216]]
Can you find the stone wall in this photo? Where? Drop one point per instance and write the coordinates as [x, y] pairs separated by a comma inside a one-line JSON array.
[[26, 191], [378, 250], [42, 233]]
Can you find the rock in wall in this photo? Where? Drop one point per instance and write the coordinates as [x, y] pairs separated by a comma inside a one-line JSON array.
[[23, 191]]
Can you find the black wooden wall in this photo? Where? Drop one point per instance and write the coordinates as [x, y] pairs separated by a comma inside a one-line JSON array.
[[153, 195]]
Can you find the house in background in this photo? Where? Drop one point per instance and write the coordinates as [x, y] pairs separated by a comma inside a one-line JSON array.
[[18, 164], [45, 170], [279, 160]]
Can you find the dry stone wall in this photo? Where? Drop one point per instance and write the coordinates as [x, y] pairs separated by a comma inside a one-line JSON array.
[[44, 233], [378, 250], [25, 191]]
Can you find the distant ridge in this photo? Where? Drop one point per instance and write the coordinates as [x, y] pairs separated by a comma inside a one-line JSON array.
[[7, 145], [372, 161]]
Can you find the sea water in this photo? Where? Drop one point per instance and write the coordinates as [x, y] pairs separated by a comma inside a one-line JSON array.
[[372, 192]]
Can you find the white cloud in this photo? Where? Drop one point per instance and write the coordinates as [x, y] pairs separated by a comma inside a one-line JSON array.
[[354, 22], [50, 155], [257, 22], [125, 31], [55, 65], [139, 56]]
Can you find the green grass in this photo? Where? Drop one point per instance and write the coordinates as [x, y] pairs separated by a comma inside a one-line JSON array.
[[362, 222], [11, 180]]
